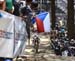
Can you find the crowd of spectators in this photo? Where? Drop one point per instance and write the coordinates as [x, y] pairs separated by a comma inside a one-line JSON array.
[[60, 42]]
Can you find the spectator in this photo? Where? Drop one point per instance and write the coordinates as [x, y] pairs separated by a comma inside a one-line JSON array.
[[9, 6], [72, 47], [2, 4], [25, 14], [18, 4]]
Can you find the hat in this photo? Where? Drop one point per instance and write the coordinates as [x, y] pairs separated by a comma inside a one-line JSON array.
[[28, 1]]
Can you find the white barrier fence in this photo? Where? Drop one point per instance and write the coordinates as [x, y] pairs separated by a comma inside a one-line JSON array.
[[12, 35]]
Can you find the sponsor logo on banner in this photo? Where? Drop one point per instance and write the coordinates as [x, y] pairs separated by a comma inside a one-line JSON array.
[[8, 35], [5, 34]]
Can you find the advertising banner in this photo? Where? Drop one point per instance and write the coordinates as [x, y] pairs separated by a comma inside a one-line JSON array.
[[12, 35]]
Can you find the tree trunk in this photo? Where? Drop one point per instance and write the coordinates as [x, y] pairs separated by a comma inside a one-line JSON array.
[[53, 14], [70, 20]]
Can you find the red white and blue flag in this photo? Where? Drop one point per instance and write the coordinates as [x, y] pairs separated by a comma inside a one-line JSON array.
[[43, 22]]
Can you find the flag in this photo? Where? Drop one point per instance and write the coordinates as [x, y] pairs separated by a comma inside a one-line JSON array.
[[43, 22]]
